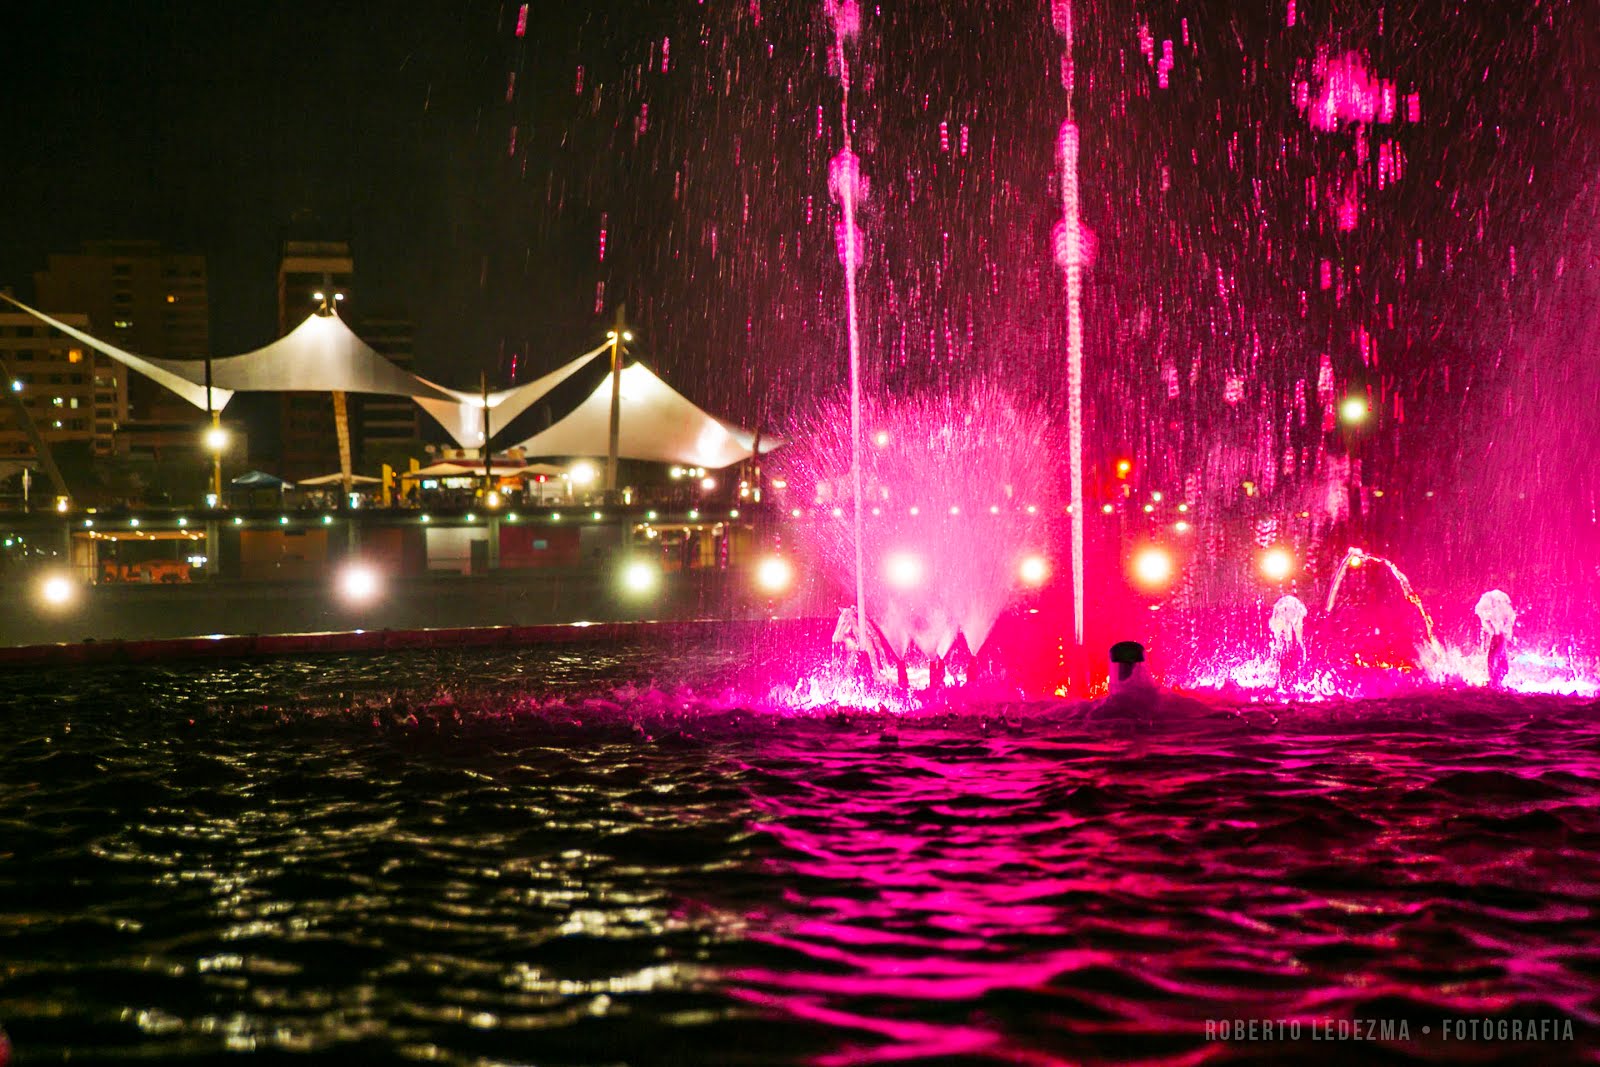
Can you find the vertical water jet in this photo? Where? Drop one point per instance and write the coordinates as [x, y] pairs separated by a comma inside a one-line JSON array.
[[845, 183], [1070, 254]]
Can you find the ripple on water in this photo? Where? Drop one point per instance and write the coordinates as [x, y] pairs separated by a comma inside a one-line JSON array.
[[569, 863]]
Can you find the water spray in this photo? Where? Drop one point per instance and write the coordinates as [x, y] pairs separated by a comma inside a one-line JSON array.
[[1070, 249], [846, 173], [1355, 557]]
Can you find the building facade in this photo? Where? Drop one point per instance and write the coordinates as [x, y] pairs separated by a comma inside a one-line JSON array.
[[384, 423], [152, 302], [72, 395]]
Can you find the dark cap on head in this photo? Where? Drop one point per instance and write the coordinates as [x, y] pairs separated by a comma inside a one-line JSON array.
[[1127, 652]]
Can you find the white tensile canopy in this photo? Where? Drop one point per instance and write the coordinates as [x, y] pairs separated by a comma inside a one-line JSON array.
[[173, 374], [658, 424], [462, 416], [321, 355]]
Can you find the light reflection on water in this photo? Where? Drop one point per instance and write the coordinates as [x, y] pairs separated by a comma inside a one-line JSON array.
[[536, 857]]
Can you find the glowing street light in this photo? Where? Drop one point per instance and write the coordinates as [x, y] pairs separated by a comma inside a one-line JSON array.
[[774, 574], [640, 578], [1034, 570], [1353, 409], [57, 591], [903, 570], [359, 583], [583, 474], [1277, 564], [1152, 568], [216, 438]]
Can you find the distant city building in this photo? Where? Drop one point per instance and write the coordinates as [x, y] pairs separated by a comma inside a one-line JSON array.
[[71, 394], [307, 438], [386, 421], [151, 302]]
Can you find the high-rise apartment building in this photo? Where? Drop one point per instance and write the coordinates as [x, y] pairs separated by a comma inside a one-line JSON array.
[[382, 421], [149, 301], [71, 394]]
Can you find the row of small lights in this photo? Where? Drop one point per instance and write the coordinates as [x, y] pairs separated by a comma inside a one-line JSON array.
[[426, 518]]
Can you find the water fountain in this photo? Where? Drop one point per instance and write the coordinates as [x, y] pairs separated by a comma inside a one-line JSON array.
[[676, 848], [1355, 558], [1288, 628], [1498, 619], [847, 187], [959, 490]]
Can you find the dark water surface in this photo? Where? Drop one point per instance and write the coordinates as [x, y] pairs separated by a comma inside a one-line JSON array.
[[542, 857]]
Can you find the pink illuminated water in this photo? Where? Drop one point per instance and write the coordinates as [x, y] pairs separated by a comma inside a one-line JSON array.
[[627, 853], [1356, 557], [958, 491], [1072, 233], [846, 185]]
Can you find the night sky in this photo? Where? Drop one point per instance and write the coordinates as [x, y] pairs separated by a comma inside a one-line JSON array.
[[1252, 266], [222, 128]]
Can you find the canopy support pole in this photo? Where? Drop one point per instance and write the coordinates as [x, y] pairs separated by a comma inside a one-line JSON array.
[[618, 335], [488, 476], [214, 439], [341, 423]]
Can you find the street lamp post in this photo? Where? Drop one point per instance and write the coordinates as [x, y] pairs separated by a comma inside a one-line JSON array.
[[341, 412], [618, 337]]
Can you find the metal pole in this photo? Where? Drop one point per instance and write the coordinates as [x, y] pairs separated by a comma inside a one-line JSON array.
[[616, 404], [488, 478]]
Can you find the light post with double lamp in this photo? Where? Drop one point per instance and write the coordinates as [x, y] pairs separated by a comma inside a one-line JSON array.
[[328, 305]]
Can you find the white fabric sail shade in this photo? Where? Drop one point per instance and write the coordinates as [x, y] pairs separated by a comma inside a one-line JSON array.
[[658, 424], [322, 354], [462, 414], [173, 374]]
